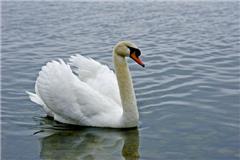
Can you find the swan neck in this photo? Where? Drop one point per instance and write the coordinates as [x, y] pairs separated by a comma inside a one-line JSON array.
[[128, 99]]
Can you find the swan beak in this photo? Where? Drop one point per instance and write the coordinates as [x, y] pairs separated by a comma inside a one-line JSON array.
[[137, 59]]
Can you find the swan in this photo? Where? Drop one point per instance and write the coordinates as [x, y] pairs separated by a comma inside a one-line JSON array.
[[87, 93]]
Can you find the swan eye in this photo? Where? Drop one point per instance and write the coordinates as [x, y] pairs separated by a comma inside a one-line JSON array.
[[137, 52], [134, 50]]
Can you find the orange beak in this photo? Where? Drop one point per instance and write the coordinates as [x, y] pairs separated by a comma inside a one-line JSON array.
[[137, 59]]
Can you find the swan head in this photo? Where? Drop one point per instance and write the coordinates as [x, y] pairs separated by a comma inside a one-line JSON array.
[[128, 49]]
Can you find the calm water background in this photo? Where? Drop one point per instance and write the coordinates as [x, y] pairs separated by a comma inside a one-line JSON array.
[[188, 94]]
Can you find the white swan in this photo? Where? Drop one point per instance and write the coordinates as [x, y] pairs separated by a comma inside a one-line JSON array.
[[94, 95]]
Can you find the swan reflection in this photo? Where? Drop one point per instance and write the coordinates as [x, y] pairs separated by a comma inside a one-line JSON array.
[[89, 143]]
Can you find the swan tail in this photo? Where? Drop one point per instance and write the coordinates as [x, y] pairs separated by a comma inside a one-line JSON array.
[[53, 85], [35, 98], [47, 83]]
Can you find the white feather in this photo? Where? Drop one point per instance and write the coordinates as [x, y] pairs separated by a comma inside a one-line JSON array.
[[96, 75], [71, 100]]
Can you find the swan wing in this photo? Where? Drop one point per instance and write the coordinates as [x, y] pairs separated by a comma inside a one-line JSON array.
[[96, 75], [72, 100]]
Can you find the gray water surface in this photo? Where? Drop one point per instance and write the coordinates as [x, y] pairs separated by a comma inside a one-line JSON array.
[[188, 93]]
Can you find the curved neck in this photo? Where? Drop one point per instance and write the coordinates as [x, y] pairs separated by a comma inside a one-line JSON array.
[[130, 111]]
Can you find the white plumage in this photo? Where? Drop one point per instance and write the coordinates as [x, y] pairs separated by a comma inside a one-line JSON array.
[[88, 93]]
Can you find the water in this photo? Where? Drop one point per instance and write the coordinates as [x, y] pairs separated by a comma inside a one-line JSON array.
[[188, 94]]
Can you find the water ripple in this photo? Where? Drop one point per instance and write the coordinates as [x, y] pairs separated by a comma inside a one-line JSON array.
[[188, 93]]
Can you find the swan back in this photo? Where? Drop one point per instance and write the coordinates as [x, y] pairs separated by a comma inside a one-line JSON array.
[[97, 76]]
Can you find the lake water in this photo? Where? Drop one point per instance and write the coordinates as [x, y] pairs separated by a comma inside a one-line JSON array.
[[188, 93]]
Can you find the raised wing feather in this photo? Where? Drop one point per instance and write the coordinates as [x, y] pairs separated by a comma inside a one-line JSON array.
[[72, 100], [96, 75]]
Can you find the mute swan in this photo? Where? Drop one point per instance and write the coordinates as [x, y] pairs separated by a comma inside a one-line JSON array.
[[94, 95]]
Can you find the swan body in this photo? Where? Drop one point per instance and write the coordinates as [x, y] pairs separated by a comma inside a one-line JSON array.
[[90, 94]]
